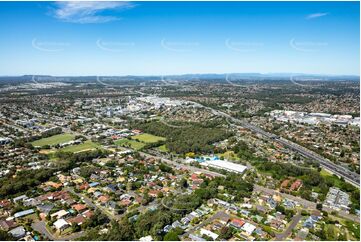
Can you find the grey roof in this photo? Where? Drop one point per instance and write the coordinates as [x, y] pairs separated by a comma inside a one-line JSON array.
[[45, 208], [18, 232], [23, 213], [22, 197]]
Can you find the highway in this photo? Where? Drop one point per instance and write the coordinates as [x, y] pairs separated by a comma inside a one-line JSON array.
[[349, 176]]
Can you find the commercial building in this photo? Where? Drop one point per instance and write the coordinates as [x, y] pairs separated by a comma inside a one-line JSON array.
[[224, 165]]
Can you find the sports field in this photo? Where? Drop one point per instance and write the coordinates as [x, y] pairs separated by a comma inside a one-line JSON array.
[[148, 138], [87, 145], [54, 140]]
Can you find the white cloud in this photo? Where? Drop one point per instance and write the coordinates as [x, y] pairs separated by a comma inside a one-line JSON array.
[[88, 12], [316, 15]]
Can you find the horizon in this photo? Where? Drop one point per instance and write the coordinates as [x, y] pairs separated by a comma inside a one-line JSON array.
[[174, 38], [283, 74]]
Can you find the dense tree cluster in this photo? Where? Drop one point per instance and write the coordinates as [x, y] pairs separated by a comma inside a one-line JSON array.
[[243, 151], [193, 138], [82, 156], [23, 181]]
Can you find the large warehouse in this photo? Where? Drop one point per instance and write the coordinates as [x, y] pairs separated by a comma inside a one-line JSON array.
[[225, 165]]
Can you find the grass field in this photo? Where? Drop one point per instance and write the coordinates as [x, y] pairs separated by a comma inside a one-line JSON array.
[[130, 143], [87, 145], [163, 148], [54, 140], [229, 155], [148, 138], [328, 176]]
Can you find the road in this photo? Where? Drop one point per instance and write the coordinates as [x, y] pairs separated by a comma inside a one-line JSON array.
[[89, 202], [218, 215], [305, 203], [110, 215], [349, 176], [343, 172], [288, 231], [40, 226], [180, 165]]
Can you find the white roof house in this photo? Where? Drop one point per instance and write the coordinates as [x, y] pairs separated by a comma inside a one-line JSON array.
[[248, 228], [146, 238], [61, 224], [59, 214], [214, 236]]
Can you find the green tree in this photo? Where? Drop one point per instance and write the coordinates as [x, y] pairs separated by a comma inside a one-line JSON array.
[[319, 206], [171, 236], [5, 236]]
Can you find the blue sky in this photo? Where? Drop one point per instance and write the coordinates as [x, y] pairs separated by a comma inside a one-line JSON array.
[[159, 38]]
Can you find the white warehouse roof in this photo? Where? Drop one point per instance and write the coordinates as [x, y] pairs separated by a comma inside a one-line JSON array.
[[226, 165]]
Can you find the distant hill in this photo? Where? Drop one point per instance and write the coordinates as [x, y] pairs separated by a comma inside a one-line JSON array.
[[184, 77]]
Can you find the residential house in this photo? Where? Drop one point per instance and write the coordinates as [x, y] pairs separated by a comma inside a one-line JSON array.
[[237, 223], [61, 224], [18, 232]]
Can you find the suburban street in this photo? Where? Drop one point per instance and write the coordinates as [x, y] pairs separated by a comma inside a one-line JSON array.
[[288, 231], [89, 202], [218, 215]]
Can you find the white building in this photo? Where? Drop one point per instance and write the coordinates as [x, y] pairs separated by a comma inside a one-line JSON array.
[[214, 236], [146, 238], [61, 224], [248, 228], [225, 165]]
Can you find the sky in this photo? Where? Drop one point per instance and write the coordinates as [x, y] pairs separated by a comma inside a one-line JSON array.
[[163, 38]]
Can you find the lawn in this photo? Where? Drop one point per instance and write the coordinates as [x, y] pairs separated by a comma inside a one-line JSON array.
[[148, 138], [87, 145], [130, 143], [229, 155], [163, 148], [54, 140], [353, 228]]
